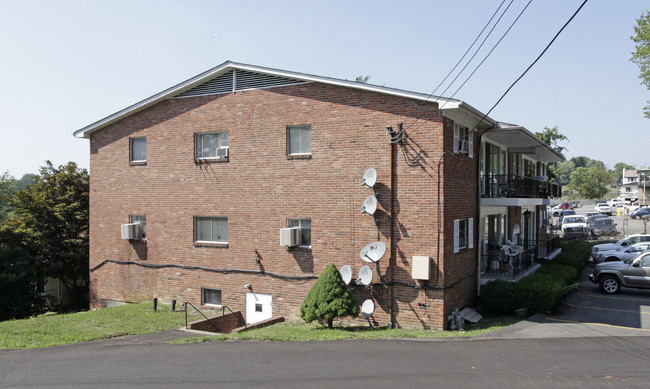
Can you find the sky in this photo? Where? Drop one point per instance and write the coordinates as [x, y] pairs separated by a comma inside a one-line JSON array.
[[66, 64]]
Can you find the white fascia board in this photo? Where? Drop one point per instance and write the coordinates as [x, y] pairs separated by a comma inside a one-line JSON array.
[[448, 104]]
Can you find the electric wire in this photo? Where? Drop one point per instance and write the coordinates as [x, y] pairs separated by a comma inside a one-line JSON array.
[[488, 54], [468, 50], [531, 65]]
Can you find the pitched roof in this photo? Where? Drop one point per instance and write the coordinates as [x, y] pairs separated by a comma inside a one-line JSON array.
[[231, 76]]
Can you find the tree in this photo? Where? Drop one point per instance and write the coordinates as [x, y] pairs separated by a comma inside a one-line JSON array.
[[590, 182], [618, 170], [20, 274], [552, 136], [52, 215], [328, 299], [641, 53]]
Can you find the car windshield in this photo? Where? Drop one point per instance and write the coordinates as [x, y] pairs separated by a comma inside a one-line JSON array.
[[603, 223]]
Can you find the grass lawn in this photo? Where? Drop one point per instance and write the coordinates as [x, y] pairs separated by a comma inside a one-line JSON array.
[[299, 332], [53, 330]]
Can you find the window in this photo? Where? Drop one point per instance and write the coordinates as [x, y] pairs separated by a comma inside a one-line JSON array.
[[463, 234], [211, 229], [298, 140], [138, 151], [142, 220], [305, 230], [211, 145], [210, 296], [463, 140]]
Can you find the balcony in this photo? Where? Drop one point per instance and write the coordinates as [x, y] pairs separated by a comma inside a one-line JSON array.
[[499, 186], [500, 264]]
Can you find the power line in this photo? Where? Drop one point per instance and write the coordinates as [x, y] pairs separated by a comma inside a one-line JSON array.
[[488, 54], [532, 64]]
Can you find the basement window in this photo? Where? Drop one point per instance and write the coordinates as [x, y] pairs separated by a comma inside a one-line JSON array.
[[210, 296]]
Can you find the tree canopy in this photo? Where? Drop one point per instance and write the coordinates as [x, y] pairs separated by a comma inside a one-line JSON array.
[[51, 215], [552, 136], [641, 53], [590, 182]]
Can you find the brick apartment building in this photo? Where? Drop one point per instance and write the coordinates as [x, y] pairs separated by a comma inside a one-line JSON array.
[[213, 169]]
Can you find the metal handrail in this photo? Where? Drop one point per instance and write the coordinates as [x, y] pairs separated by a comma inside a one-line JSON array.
[[196, 309]]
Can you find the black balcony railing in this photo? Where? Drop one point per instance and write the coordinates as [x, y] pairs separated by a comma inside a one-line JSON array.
[[500, 264], [497, 185]]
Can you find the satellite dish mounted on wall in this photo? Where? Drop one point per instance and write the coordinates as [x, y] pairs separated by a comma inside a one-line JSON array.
[[365, 276], [369, 178], [373, 251], [367, 308], [369, 205], [346, 273]]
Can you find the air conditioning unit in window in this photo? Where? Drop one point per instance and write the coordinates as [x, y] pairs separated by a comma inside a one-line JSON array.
[[290, 237], [464, 147], [222, 153], [131, 231]]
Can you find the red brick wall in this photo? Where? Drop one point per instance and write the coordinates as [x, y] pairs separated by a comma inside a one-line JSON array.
[[259, 187]]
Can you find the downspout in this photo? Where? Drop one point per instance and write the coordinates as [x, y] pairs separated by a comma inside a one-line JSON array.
[[391, 260]]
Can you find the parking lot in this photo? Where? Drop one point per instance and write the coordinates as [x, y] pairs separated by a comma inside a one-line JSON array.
[[587, 305]]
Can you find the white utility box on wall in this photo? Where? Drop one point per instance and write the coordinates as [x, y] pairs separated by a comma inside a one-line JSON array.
[[421, 268]]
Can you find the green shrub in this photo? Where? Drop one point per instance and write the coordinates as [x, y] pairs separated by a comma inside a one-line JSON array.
[[328, 299], [539, 292], [565, 273], [498, 296]]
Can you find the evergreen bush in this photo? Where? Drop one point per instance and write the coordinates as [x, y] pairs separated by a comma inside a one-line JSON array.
[[328, 299]]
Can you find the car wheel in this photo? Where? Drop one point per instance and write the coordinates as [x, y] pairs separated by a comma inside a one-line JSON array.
[[609, 285]]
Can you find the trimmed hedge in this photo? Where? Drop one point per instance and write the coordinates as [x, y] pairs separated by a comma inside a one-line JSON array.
[[541, 291]]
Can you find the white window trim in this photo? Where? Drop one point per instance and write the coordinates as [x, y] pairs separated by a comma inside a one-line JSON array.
[[469, 234], [131, 151], [196, 240], [467, 137], [288, 138], [211, 304], [221, 147], [300, 219]]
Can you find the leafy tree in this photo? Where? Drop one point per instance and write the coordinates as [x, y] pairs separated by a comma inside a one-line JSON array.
[[563, 170], [590, 182], [641, 53], [552, 136], [7, 184], [52, 215], [20, 274], [328, 299], [618, 170]]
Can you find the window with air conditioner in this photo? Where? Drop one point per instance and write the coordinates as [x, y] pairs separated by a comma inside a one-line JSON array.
[[209, 229], [299, 140], [305, 230], [138, 149], [140, 220], [211, 145], [463, 140]]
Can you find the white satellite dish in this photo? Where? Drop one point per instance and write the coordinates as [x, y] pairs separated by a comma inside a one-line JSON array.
[[365, 275], [346, 273], [373, 251], [369, 205], [369, 178], [367, 308]]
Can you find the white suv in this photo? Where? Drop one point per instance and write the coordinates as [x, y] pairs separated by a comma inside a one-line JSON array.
[[625, 242]]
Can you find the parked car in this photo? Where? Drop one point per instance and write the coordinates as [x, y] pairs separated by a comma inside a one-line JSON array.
[[632, 273], [627, 241], [601, 226], [575, 204], [574, 226], [639, 213], [603, 208], [622, 254], [565, 206], [566, 212], [588, 214]]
